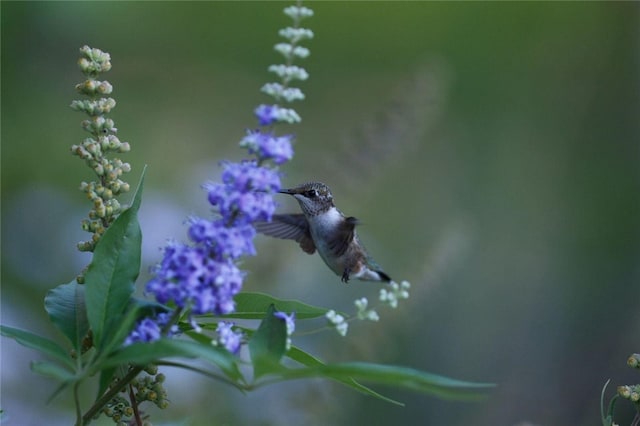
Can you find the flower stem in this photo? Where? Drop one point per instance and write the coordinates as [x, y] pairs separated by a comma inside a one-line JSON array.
[[108, 395], [134, 405]]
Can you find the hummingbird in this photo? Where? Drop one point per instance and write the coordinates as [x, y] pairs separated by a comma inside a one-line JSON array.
[[322, 227]]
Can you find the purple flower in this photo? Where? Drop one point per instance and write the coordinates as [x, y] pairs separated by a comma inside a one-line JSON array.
[[276, 148], [256, 206], [150, 330], [266, 114], [228, 338], [267, 146], [236, 207], [147, 330], [225, 242], [289, 319], [245, 194], [204, 277], [290, 324], [194, 277], [247, 176]]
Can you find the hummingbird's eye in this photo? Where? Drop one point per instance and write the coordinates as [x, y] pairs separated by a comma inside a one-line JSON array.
[[312, 193]]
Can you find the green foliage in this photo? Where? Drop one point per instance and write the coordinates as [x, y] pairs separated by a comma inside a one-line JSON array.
[[151, 353], [55, 371], [254, 305], [103, 304], [268, 344], [41, 344], [110, 278], [67, 311], [397, 376], [309, 360]]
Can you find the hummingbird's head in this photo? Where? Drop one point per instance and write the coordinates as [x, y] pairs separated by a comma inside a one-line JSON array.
[[314, 197]]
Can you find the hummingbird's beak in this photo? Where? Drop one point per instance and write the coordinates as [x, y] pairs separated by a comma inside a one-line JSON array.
[[287, 191]]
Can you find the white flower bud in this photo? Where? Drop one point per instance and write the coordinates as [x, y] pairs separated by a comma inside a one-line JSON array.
[[298, 12], [296, 34], [289, 72]]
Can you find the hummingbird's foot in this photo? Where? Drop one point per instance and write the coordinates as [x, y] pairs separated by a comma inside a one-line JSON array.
[[345, 275]]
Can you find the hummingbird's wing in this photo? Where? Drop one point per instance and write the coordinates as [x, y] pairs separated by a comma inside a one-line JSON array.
[[289, 227], [339, 242]]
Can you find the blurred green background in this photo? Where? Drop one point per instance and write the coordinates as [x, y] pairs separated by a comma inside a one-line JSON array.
[[491, 150]]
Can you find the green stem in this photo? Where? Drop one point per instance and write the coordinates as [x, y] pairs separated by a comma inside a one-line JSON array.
[[113, 390], [108, 395], [76, 401]]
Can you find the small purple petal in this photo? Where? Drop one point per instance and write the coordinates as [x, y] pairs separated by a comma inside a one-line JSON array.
[[289, 320], [147, 331], [266, 114], [228, 338]]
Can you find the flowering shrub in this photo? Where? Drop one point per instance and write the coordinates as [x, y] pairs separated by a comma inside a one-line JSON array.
[[197, 287]]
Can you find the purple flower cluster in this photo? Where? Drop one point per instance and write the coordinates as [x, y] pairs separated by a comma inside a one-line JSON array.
[[203, 276], [227, 242], [278, 148], [244, 196], [149, 330], [267, 114], [196, 277], [228, 338]]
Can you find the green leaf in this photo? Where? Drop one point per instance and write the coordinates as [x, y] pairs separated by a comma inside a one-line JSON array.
[[145, 353], [121, 330], [309, 360], [401, 377], [66, 308], [268, 344], [254, 306], [106, 377], [54, 371], [409, 378], [42, 344], [110, 278], [304, 358]]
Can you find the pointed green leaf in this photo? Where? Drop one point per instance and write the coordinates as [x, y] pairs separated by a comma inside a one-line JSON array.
[[401, 377], [304, 358], [110, 278], [52, 370], [409, 378], [268, 344], [66, 308], [145, 353], [254, 306], [42, 344], [309, 360]]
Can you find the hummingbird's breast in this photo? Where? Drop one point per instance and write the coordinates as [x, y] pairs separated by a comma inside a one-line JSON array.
[[338, 262], [339, 254]]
